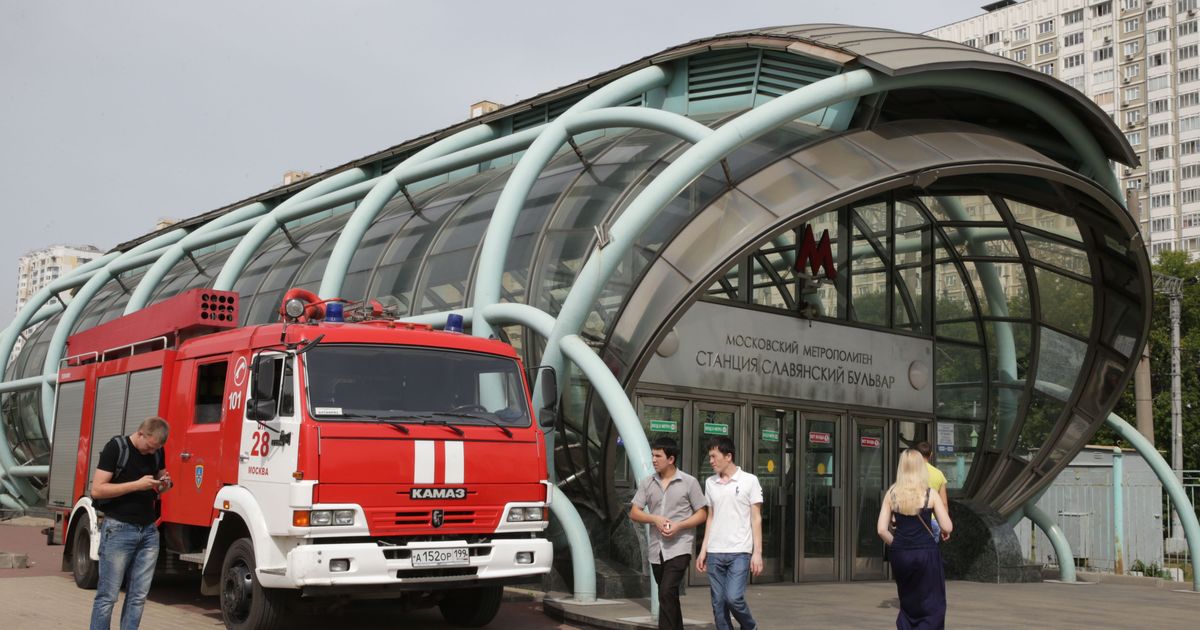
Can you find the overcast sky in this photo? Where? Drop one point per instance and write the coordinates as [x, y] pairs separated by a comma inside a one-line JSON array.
[[114, 114]]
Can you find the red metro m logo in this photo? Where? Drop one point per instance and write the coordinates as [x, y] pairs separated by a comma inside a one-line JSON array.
[[818, 254]]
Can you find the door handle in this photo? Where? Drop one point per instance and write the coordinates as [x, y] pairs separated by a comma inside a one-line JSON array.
[[185, 456]]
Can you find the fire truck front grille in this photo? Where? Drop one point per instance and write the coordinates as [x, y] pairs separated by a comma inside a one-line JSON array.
[[388, 522], [428, 574]]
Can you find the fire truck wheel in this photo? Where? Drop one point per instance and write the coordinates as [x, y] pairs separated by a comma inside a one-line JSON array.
[[245, 604], [471, 607], [85, 570]]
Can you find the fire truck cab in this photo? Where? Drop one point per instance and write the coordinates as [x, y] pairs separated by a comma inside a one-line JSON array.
[[314, 457]]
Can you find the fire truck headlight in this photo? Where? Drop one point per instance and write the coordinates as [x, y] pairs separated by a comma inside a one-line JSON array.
[[339, 565], [524, 557], [516, 515], [321, 517], [343, 517], [533, 513]]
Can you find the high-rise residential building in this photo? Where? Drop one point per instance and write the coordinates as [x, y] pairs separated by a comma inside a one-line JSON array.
[[1139, 60], [38, 268]]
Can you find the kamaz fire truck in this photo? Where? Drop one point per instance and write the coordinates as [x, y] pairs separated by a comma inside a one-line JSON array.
[[322, 456]]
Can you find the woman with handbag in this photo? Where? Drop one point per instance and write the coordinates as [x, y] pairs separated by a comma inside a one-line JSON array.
[[912, 545]]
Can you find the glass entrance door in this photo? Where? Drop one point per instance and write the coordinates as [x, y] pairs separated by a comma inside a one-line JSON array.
[[708, 421], [869, 465], [774, 452], [821, 488]]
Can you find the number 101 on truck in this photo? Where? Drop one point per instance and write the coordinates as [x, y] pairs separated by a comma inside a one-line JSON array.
[[324, 456]]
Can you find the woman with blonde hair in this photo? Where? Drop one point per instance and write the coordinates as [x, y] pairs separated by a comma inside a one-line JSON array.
[[912, 545]]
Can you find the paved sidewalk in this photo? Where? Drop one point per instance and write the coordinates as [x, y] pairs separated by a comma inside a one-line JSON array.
[[874, 605]]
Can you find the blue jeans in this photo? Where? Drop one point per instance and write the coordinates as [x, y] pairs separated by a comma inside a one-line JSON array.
[[728, 574], [128, 554]]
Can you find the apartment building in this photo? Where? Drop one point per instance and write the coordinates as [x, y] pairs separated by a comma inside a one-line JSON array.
[[38, 268], [1139, 60]]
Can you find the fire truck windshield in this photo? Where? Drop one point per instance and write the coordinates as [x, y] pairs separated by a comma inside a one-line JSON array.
[[417, 385]]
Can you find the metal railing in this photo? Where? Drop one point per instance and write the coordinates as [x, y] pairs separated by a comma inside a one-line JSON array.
[[1176, 559]]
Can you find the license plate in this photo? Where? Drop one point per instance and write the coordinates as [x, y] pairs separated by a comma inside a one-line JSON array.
[[454, 556]]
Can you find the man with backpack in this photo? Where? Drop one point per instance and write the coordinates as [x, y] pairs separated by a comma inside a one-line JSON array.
[[125, 487]]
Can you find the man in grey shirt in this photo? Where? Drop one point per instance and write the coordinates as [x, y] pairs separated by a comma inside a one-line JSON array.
[[672, 502]]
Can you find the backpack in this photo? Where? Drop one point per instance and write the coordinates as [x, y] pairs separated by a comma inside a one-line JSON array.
[[123, 460]]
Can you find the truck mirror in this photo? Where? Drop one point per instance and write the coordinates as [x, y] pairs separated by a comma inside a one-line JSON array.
[[548, 381], [261, 409], [264, 378]]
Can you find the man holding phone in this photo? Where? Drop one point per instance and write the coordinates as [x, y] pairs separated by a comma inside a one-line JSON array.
[[125, 487]]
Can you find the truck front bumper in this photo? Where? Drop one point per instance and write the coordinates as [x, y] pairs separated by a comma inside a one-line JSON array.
[[372, 564]]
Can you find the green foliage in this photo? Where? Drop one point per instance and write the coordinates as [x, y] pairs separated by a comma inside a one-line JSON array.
[[1173, 264]]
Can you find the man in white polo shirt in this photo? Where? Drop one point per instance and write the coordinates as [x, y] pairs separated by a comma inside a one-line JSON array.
[[732, 547]]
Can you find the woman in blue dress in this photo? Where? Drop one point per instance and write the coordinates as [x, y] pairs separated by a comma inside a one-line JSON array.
[[904, 525]]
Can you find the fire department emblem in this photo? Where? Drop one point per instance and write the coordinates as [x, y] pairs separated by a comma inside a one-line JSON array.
[[439, 517], [199, 475]]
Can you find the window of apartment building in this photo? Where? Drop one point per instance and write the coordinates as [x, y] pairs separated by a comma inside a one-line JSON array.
[[1046, 48], [1131, 25], [1157, 249], [1161, 177], [1131, 71], [1130, 5], [1191, 244], [1186, 5], [1101, 54], [1162, 200], [1160, 153], [1046, 68], [970, 42], [1132, 48], [1189, 99], [1189, 195], [1102, 9], [1073, 61], [1188, 75], [1190, 220], [1133, 117], [1187, 28], [1102, 34], [1186, 172], [1189, 147], [1158, 36], [1158, 59], [1073, 17], [1104, 98], [1191, 51], [1045, 27], [1102, 76], [1159, 106], [1189, 123], [1134, 138], [1160, 129], [1156, 13], [1074, 39], [1020, 34], [1131, 94], [1021, 55], [1077, 82], [1161, 224], [992, 38], [1160, 82]]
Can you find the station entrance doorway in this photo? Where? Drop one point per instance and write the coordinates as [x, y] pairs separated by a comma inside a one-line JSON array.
[[823, 473]]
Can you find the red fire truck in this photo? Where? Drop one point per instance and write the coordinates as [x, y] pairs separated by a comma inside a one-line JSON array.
[[312, 458]]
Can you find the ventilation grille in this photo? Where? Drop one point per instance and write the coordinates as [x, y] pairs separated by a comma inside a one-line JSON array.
[[780, 73], [722, 74]]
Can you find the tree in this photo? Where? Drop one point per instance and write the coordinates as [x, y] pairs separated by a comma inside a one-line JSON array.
[[1172, 264]]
